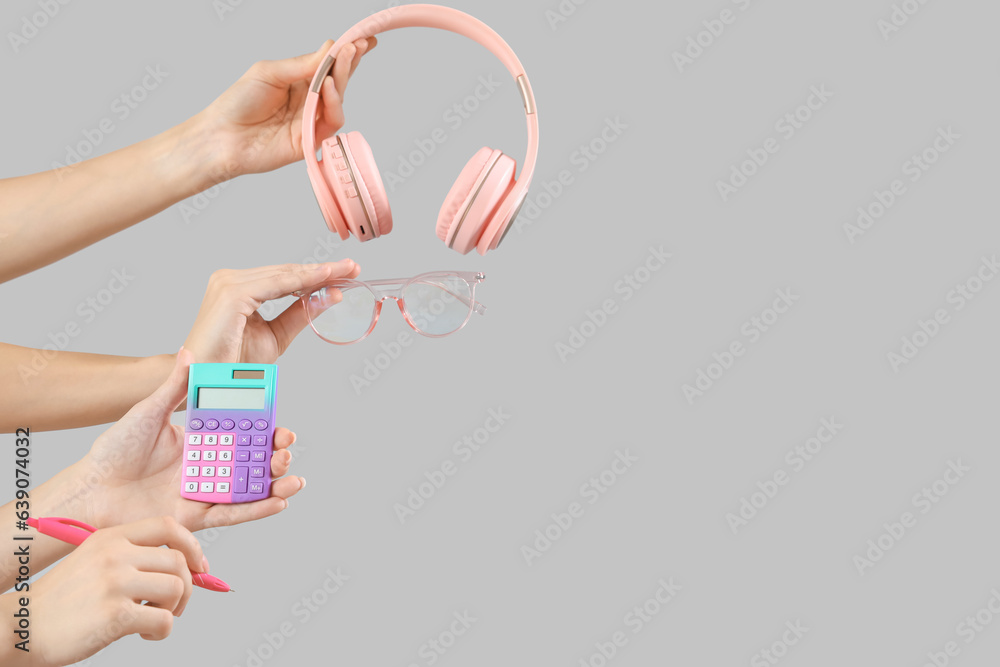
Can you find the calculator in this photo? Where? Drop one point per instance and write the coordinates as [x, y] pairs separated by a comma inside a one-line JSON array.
[[229, 432]]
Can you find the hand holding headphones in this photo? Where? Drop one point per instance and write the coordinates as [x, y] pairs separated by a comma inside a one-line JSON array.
[[483, 202], [254, 126]]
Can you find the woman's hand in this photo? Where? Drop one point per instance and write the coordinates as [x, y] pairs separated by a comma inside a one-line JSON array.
[[256, 125], [229, 329], [133, 471], [95, 595]]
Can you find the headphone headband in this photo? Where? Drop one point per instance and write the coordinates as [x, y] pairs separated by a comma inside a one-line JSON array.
[[442, 18]]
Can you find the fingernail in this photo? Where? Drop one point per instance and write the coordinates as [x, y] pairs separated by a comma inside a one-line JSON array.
[[286, 504], [303, 483], [204, 564]]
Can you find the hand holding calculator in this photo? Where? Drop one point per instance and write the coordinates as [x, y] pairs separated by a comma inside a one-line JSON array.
[[229, 432]]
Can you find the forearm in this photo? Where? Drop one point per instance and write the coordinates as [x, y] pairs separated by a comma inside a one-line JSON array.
[[49, 215], [60, 390], [62, 496]]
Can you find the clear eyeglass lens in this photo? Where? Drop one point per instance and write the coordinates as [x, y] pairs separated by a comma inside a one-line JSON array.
[[438, 305], [342, 314]]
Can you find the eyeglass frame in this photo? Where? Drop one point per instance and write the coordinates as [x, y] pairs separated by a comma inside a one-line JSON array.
[[471, 278]]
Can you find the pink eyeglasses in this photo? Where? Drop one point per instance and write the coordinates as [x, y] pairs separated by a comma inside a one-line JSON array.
[[434, 304]]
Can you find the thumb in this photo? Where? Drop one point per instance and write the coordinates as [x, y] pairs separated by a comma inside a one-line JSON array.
[[288, 324], [292, 70], [173, 391]]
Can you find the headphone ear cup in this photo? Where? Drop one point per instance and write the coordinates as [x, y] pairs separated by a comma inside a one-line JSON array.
[[474, 197], [323, 189], [356, 186], [369, 181], [460, 191]]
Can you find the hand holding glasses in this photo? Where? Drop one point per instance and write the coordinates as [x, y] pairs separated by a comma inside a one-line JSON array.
[[434, 304]]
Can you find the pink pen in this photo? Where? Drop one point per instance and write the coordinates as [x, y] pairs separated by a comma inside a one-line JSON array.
[[75, 532]]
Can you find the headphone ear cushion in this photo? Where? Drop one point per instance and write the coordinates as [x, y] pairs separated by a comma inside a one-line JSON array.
[[461, 190], [369, 180]]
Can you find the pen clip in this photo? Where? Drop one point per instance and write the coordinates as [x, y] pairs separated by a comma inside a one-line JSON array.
[[68, 530]]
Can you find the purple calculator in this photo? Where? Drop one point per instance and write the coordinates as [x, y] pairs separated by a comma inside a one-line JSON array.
[[229, 434]]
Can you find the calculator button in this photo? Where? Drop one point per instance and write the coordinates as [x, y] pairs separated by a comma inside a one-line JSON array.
[[245, 424], [243, 440], [259, 455], [209, 456], [211, 439], [257, 487], [228, 424], [212, 424], [226, 439], [260, 424], [196, 424], [194, 439], [241, 479], [260, 441], [191, 487], [224, 471], [257, 471], [242, 455], [208, 471], [192, 471], [222, 487], [225, 455], [207, 487], [194, 455]]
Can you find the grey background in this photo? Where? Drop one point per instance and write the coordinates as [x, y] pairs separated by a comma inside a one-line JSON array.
[[656, 185]]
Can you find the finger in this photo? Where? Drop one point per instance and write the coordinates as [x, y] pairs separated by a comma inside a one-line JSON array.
[[290, 70], [173, 391], [245, 276], [164, 590], [280, 463], [288, 324], [160, 531], [325, 47], [231, 515], [331, 116], [170, 561], [342, 68], [283, 438], [321, 300], [286, 487], [281, 281], [151, 623], [361, 47], [293, 319]]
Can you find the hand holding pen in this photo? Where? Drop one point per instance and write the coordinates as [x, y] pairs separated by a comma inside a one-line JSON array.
[[119, 581], [75, 532]]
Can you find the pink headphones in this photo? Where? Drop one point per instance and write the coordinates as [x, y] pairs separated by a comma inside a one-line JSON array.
[[485, 199]]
